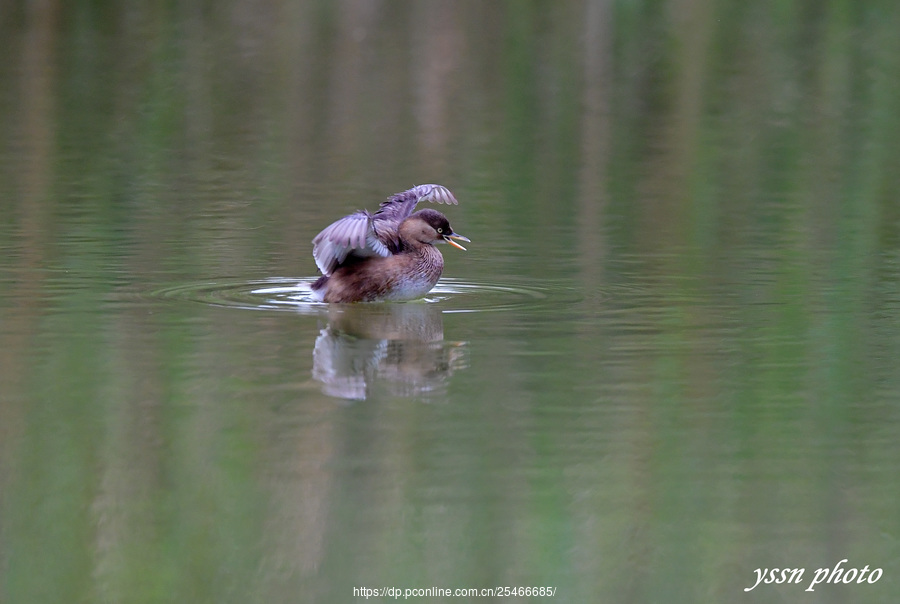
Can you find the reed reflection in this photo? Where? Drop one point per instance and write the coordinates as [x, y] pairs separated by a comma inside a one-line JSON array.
[[398, 347]]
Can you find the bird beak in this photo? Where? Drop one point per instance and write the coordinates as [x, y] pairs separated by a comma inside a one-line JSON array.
[[449, 239]]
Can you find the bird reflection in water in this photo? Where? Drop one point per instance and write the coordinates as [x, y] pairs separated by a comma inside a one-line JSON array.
[[399, 347]]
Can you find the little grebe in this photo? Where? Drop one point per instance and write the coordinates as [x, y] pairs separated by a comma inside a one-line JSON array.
[[388, 255]]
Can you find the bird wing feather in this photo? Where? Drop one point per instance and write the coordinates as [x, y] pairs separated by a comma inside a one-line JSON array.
[[399, 206], [352, 235], [365, 235]]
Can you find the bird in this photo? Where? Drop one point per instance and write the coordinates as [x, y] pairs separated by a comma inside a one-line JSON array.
[[389, 255]]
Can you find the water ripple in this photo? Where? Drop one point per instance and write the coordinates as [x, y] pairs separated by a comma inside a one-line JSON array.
[[294, 295]]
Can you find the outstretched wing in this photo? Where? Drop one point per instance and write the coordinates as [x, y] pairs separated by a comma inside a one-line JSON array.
[[352, 235], [397, 207], [364, 235]]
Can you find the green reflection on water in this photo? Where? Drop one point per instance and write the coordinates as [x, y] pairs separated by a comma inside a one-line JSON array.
[[706, 194]]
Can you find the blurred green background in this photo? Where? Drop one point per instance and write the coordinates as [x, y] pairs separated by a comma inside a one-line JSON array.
[[686, 370]]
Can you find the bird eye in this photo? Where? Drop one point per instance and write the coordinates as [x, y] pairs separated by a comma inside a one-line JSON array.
[[440, 230]]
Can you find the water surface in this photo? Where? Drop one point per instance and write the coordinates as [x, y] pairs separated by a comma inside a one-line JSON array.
[[668, 359]]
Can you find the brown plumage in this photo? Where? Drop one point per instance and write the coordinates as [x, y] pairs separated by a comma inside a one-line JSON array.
[[388, 255]]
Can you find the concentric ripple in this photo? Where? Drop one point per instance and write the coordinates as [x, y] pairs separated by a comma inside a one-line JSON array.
[[294, 295]]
